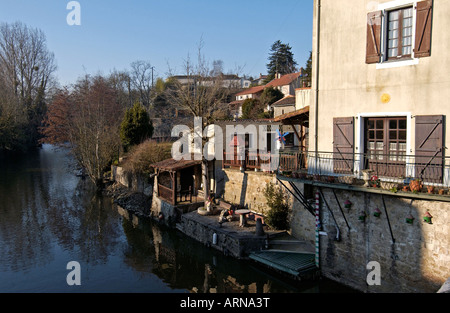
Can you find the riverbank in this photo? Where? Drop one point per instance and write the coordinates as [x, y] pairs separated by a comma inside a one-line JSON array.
[[136, 202]]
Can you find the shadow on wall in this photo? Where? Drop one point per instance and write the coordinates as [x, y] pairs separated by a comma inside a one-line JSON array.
[[412, 253]]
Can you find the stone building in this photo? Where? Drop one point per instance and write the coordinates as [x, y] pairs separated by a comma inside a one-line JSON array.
[[378, 113]]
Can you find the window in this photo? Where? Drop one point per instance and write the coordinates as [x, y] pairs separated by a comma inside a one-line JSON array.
[[386, 145], [399, 33]]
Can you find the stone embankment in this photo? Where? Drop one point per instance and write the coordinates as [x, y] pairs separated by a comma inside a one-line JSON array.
[[134, 201]]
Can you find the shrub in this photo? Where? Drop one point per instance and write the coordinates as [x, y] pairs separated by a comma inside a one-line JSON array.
[[277, 200], [142, 156]]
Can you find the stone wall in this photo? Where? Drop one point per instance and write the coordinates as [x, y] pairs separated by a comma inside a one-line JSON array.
[[302, 222], [230, 243], [414, 258], [246, 188], [136, 183]]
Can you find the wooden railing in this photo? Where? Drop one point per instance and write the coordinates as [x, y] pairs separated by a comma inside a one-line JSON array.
[[166, 194]]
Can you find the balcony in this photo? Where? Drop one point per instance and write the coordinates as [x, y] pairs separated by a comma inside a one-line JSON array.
[[392, 172]]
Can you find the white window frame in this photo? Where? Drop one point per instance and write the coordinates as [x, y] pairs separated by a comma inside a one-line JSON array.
[[385, 8], [360, 143]]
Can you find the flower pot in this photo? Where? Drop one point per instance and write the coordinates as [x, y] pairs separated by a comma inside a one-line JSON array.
[[430, 189], [362, 217], [416, 185], [427, 218], [377, 212], [409, 219], [441, 192]]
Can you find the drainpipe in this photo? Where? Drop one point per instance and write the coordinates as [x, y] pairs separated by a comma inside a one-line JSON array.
[[316, 104]]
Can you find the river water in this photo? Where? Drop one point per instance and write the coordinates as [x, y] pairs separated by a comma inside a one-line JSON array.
[[50, 217]]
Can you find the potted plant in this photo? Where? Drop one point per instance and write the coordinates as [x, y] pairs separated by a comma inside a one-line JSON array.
[[415, 185], [348, 204], [330, 179], [409, 219], [427, 217], [441, 191], [374, 182], [430, 189], [362, 216], [377, 212]]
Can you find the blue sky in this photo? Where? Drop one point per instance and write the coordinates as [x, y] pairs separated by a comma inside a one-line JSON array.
[[115, 33]]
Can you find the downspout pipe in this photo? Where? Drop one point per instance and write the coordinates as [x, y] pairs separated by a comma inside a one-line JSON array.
[[316, 100]]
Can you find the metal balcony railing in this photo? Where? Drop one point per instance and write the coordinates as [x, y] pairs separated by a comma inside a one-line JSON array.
[[430, 169]]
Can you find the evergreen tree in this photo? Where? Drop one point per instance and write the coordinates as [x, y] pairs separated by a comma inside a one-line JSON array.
[[308, 68], [136, 126], [281, 60]]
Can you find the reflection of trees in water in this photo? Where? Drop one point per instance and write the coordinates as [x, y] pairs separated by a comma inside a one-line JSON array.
[[42, 201], [183, 263], [86, 222], [25, 239]]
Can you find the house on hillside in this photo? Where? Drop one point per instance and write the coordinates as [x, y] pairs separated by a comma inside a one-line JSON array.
[[287, 83], [249, 93], [377, 126]]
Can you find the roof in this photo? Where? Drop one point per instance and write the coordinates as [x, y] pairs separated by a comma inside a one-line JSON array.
[[288, 100], [172, 165], [284, 80], [297, 117], [251, 90], [236, 103]]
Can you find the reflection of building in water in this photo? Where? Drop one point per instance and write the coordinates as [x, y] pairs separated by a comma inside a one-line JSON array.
[[184, 264]]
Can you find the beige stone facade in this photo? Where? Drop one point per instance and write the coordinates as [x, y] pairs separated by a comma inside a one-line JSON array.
[[348, 81], [346, 86]]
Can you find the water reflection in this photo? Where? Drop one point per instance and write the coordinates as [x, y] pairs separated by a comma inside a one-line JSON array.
[[49, 217], [183, 263]]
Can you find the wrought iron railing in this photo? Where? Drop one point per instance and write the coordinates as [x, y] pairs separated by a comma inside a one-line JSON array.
[[432, 169]]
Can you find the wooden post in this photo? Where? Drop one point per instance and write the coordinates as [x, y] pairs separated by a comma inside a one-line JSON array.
[[174, 185]]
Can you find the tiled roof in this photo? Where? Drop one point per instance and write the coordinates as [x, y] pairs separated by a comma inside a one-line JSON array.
[[288, 100], [284, 80], [251, 90], [298, 116], [237, 102], [174, 165]]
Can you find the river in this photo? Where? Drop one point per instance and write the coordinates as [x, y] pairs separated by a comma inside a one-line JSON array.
[[49, 217]]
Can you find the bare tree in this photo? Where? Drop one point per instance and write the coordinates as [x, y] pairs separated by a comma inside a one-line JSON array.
[[142, 78], [202, 97], [26, 68], [88, 119]]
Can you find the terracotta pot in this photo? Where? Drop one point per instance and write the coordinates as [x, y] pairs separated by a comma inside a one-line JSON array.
[[416, 185], [430, 189]]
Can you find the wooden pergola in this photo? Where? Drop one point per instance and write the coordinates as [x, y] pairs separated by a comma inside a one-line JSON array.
[[178, 187]]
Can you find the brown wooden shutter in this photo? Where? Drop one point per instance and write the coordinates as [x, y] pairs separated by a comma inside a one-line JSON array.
[[373, 48], [422, 46], [430, 147], [343, 144]]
